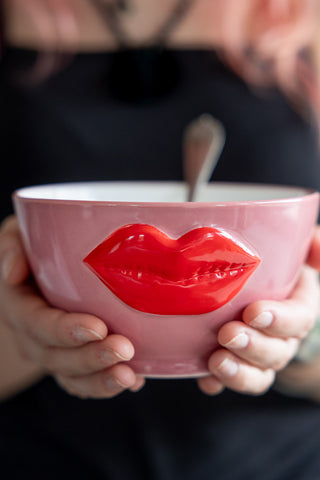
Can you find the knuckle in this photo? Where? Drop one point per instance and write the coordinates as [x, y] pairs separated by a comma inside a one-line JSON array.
[[110, 384], [61, 327], [310, 321], [71, 387], [280, 364], [82, 394], [89, 363], [28, 329], [9, 322], [48, 360], [23, 350], [210, 386], [264, 388], [8, 224], [247, 386], [24, 353], [267, 361], [10, 242], [106, 357], [286, 357], [303, 334], [261, 385], [269, 378], [85, 363]]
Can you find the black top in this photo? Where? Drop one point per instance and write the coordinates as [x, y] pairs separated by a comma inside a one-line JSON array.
[[82, 124]]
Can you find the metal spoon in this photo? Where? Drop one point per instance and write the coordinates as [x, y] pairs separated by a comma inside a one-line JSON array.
[[203, 142]]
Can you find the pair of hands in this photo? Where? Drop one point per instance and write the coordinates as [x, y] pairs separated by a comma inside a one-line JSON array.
[[87, 362]]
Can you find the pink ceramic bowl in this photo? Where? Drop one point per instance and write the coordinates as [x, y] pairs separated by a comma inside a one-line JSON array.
[[163, 272]]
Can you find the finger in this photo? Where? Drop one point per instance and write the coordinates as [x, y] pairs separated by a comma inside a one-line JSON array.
[[210, 385], [9, 224], [314, 252], [27, 312], [89, 358], [139, 384], [105, 384], [13, 263], [238, 375], [256, 348], [292, 317]]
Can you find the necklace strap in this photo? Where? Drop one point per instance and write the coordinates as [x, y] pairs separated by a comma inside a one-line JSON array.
[[111, 14]]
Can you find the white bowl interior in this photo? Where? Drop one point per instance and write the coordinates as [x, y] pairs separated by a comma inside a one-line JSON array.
[[168, 192]]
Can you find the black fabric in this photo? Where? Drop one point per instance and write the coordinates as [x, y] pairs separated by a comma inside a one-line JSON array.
[[74, 126]]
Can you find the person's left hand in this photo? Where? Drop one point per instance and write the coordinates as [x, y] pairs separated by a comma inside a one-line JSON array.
[[267, 338]]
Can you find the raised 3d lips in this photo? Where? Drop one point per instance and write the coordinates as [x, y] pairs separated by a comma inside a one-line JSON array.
[[152, 272]]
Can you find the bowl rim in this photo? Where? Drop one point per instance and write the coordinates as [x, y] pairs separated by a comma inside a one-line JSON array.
[[20, 194]]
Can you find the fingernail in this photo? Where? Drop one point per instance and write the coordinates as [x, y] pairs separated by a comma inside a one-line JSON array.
[[114, 384], [107, 354], [263, 320], [86, 334], [239, 341], [228, 367], [126, 351], [126, 355], [7, 264]]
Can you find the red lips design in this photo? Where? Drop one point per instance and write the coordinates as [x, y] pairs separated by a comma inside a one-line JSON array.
[[196, 273]]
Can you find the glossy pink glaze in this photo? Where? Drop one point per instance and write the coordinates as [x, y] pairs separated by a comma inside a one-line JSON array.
[[59, 234]]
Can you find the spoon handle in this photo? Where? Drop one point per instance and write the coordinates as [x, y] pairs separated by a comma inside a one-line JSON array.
[[203, 142]]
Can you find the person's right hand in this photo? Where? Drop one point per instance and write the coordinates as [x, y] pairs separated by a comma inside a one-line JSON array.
[[74, 348]]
